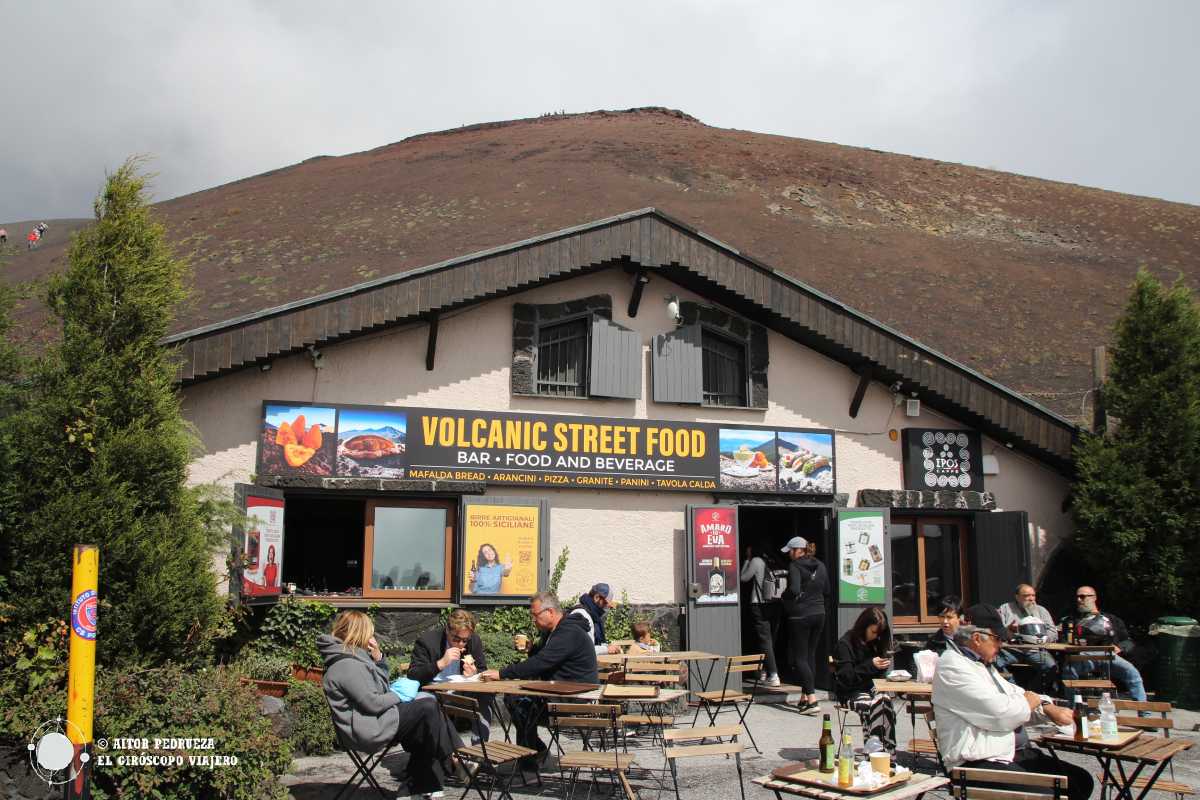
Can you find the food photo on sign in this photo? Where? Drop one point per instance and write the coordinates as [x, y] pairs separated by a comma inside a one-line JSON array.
[[297, 440], [748, 459], [805, 462], [371, 443]]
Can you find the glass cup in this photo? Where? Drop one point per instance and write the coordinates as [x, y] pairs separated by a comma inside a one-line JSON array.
[[881, 762], [521, 642]]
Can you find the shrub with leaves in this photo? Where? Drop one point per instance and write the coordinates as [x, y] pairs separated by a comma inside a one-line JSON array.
[[170, 702], [33, 688], [312, 729], [290, 631]]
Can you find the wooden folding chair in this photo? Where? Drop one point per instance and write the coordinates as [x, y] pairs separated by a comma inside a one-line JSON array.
[[740, 700], [841, 710], [489, 756], [654, 672], [928, 747], [364, 765], [588, 719], [1001, 784], [1162, 724], [674, 749], [1091, 686]]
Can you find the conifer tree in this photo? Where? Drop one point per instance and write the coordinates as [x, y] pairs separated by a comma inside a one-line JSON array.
[[98, 452], [1137, 492]]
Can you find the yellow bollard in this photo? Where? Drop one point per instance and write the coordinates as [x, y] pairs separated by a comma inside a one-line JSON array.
[[81, 680]]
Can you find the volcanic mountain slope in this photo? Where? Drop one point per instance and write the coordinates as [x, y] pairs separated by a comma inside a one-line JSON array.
[[1014, 276]]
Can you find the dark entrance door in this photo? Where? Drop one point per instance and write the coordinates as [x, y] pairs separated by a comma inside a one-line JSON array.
[[765, 529]]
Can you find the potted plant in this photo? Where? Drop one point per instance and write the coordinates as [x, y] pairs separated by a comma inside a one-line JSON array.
[[269, 674]]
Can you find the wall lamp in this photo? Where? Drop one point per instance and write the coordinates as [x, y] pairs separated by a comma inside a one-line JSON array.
[[673, 309]]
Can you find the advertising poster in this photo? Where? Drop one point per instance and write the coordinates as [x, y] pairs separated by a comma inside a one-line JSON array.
[[942, 459], [500, 550], [862, 561], [262, 556], [504, 448], [715, 551]]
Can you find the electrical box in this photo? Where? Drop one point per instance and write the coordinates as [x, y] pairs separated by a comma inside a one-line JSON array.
[[912, 407]]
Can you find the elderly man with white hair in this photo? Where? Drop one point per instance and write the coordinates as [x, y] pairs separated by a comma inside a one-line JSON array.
[[980, 716]]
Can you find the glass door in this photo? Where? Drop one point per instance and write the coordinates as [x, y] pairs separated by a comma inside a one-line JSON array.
[[408, 548], [929, 555]]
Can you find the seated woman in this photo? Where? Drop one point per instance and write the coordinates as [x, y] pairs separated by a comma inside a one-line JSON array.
[[859, 657], [949, 617], [368, 715]]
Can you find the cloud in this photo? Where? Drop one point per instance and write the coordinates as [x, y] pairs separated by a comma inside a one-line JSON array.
[[1093, 93]]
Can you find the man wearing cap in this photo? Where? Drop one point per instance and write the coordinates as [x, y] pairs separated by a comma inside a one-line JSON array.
[[804, 606], [592, 608], [981, 717]]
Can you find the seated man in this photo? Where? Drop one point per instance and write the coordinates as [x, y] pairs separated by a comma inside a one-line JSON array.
[[980, 715], [1023, 606], [1093, 627], [445, 654], [565, 653], [949, 618], [591, 609]]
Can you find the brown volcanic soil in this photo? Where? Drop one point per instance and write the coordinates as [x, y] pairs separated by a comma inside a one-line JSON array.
[[1014, 276]]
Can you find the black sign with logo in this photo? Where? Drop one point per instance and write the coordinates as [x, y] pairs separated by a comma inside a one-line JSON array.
[[938, 459]]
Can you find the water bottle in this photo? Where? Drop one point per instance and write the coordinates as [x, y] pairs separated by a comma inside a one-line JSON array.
[[1108, 717], [872, 745]]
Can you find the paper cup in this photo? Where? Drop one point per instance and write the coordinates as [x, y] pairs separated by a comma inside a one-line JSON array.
[[521, 641], [882, 763]]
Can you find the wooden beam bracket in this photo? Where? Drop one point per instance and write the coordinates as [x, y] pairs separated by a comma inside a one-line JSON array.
[[431, 344], [864, 380], [640, 279]]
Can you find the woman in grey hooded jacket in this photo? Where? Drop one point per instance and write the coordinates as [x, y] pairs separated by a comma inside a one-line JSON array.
[[368, 715]]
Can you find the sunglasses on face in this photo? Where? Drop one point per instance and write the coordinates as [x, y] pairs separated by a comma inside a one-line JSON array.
[[1083, 596]]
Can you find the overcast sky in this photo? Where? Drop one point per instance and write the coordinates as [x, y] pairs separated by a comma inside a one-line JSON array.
[[1097, 93]]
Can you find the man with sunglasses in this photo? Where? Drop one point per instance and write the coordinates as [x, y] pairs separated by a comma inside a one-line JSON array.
[[1095, 628], [981, 717], [461, 656]]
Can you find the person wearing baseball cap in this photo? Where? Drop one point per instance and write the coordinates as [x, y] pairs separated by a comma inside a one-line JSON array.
[[804, 607], [592, 608], [981, 717]]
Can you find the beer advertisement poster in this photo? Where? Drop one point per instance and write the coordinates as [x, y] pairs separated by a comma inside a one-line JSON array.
[[262, 556], [862, 562], [500, 549], [715, 549]]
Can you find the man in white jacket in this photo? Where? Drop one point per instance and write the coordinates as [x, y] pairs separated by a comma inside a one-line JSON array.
[[980, 716]]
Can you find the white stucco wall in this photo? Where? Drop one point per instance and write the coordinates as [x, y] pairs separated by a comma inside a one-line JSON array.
[[632, 539]]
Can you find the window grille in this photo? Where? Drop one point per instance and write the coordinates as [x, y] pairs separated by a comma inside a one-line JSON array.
[[562, 357], [724, 370]]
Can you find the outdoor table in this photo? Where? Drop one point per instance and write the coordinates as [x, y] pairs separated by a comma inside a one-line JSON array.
[[914, 788], [1141, 752], [911, 692]]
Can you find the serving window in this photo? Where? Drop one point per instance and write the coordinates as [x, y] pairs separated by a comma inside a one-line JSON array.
[[928, 559]]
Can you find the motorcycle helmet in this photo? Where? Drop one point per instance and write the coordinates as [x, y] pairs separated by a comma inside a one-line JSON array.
[[1031, 630]]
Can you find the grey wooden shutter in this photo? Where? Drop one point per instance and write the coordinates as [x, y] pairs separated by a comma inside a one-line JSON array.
[[1000, 555], [615, 366], [678, 369]]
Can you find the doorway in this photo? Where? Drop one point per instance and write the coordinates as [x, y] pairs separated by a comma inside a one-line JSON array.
[[765, 529]]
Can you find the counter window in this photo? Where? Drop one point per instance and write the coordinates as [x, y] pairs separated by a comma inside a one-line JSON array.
[[927, 559]]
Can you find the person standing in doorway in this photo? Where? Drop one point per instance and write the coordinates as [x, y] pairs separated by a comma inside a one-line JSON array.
[[754, 572], [804, 606]]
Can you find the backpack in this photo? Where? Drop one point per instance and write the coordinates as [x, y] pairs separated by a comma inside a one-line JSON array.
[[773, 585]]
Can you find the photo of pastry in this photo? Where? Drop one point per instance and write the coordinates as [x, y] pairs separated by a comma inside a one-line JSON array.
[[371, 443], [297, 440], [805, 462], [748, 459]]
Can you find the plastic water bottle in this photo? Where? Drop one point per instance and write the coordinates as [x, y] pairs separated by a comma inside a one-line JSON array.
[[872, 745], [1108, 718]]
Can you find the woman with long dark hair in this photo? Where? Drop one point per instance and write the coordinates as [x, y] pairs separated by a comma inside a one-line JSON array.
[[487, 571], [860, 656]]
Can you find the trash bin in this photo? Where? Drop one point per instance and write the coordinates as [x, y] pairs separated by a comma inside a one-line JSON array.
[[1172, 676]]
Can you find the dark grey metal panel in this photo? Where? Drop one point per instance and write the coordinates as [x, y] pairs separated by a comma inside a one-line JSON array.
[[615, 363], [711, 628], [1000, 555], [678, 369]]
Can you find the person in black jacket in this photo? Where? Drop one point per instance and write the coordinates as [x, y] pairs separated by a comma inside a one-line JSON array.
[[804, 607], [1091, 626], [461, 654], [860, 656], [949, 618], [565, 653]]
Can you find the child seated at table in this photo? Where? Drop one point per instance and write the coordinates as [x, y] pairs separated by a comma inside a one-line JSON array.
[[644, 640]]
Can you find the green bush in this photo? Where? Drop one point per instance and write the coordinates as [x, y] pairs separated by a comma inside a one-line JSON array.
[[290, 631], [33, 687], [171, 702], [312, 729], [263, 667]]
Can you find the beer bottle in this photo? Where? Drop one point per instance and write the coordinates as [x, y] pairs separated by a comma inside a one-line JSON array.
[[846, 762], [1081, 719], [825, 747]]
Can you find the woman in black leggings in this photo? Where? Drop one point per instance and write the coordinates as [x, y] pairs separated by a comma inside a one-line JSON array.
[[804, 605]]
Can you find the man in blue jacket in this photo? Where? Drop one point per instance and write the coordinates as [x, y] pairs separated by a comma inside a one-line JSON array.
[[565, 653]]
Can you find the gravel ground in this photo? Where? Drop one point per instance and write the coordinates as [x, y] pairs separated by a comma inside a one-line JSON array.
[[782, 734]]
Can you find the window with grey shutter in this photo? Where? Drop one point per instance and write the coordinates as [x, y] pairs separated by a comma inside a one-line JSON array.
[[615, 364], [678, 366], [724, 370], [562, 359]]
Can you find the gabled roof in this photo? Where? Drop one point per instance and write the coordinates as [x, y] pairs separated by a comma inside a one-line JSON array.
[[651, 240]]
